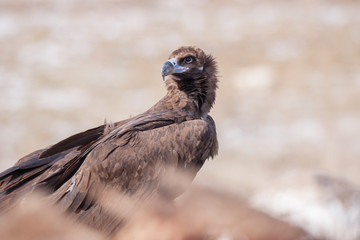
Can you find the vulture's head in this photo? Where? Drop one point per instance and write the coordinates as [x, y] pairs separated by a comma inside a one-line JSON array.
[[192, 71]]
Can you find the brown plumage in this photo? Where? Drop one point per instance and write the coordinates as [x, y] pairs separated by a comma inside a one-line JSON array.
[[130, 156]]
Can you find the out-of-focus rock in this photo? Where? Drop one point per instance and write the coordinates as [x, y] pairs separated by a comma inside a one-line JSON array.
[[35, 219], [325, 206]]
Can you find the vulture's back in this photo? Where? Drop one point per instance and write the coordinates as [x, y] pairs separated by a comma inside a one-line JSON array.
[[130, 157]]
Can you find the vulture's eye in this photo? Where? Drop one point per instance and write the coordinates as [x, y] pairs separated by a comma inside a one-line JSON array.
[[188, 59]]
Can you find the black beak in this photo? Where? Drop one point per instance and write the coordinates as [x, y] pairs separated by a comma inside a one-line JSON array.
[[171, 66], [166, 69]]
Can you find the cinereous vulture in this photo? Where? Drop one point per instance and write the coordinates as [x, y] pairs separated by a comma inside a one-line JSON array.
[[129, 156]]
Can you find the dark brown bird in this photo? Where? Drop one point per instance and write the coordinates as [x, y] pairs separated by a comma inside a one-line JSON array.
[[129, 156]]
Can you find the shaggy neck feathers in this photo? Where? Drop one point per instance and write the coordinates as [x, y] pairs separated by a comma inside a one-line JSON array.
[[197, 90]]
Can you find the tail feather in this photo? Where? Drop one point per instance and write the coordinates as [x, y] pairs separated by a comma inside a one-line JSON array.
[[47, 168]]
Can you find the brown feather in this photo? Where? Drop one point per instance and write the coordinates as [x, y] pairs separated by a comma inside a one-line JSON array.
[[131, 156]]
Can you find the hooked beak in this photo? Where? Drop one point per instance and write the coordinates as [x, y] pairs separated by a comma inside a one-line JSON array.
[[171, 66]]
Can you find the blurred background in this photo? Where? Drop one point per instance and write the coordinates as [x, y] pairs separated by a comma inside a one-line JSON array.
[[287, 108]]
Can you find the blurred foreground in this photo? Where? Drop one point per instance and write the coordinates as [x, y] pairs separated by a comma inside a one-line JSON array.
[[287, 109], [200, 215]]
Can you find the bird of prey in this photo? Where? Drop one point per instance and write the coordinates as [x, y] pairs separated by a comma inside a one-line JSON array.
[[129, 156]]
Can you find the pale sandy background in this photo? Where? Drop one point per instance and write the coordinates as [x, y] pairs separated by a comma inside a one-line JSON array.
[[288, 103]]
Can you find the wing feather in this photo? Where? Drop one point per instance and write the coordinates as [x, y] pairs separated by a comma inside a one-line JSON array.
[[131, 158], [138, 165], [56, 162]]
